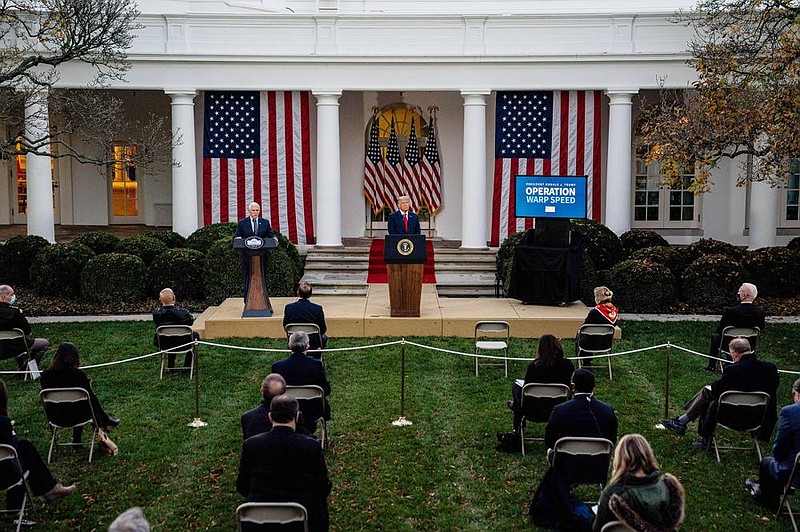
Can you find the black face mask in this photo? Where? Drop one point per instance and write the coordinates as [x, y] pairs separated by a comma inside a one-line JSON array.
[[738, 298]]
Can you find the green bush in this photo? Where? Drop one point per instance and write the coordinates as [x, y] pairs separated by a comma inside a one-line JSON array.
[[179, 269], [505, 257], [590, 278], [637, 239], [281, 278], [113, 278], [794, 243], [710, 282], [170, 238], [669, 257], [203, 238], [774, 270], [641, 286], [291, 251], [143, 247], [223, 272], [57, 269], [709, 246], [600, 242], [17, 256], [99, 241]]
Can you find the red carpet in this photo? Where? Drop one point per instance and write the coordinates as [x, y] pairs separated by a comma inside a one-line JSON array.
[[377, 268]]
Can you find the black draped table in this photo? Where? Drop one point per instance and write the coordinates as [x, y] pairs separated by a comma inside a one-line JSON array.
[[546, 275]]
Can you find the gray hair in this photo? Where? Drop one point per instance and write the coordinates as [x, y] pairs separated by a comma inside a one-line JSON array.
[[740, 346], [749, 289], [131, 520], [274, 382], [5, 290], [298, 342]]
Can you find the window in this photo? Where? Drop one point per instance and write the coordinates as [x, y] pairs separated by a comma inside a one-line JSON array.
[[21, 175], [790, 210], [124, 187], [657, 206]]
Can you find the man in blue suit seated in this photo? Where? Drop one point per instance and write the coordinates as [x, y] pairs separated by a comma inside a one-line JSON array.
[[299, 369], [253, 225], [403, 221], [304, 311], [775, 469]]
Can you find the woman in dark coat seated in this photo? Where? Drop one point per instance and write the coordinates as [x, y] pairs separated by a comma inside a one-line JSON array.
[[549, 366], [604, 313], [40, 479], [65, 372]]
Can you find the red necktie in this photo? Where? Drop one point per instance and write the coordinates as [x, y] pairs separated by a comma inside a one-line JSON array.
[[405, 221]]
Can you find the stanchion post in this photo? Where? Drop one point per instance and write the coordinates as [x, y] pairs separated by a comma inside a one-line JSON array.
[[402, 421], [666, 384], [197, 422]]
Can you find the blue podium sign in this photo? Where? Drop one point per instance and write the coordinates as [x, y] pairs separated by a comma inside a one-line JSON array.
[[550, 196]]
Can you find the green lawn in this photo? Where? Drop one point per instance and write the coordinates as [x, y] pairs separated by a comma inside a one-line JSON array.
[[441, 473]]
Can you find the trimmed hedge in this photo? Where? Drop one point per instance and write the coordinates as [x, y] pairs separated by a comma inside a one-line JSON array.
[[57, 269], [709, 246], [774, 271], [590, 278], [711, 282], [669, 257], [99, 241], [794, 243], [143, 247], [641, 286], [17, 257], [170, 238], [600, 242], [281, 279], [203, 238], [223, 272], [294, 256], [114, 277], [179, 269], [505, 257], [637, 239]]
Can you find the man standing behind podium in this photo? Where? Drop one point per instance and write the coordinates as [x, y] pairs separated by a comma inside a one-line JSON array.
[[403, 221], [253, 225]]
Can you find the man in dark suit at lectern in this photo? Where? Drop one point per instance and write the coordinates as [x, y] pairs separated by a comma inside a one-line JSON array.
[[253, 225], [403, 221]]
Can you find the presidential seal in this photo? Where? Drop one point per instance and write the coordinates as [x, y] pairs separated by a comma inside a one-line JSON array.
[[254, 242], [405, 247]]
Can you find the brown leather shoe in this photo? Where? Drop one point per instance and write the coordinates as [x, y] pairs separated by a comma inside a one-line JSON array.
[[58, 492]]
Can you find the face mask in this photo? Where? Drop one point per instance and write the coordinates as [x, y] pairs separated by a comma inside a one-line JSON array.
[[13, 299], [738, 298]]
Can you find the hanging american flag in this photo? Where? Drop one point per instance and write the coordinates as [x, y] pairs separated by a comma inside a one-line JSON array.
[[411, 168], [393, 170], [373, 171], [256, 147], [430, 170], [544, 133]]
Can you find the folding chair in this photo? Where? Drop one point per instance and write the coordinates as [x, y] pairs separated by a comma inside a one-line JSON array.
[[10, 342], [583, 460], [602, 338], [68, 408], [11, 476], [310, 329], [751, 334], [538, 400], [271, 513], [492, 336], [311, 392], [788, 490], [616, 526], [740, 412], [170, 338]]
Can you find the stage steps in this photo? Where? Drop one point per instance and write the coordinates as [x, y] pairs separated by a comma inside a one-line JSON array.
[[338, 271], [465, 273]]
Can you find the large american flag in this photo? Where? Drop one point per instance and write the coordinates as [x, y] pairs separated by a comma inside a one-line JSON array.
[[544, 133], [394, 175], [431, 170], [256, 147], [373, 170], [411, 168]]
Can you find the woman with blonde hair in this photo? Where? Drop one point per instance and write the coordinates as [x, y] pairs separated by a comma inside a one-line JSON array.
[[638, 494]]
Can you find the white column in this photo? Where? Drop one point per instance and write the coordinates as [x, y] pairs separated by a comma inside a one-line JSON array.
[[473, 203], [38, 169], [763, 214], [185, 219], [618, 169], [329, 180]]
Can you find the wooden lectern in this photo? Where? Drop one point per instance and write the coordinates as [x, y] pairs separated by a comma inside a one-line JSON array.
[[256, 298], [405, 258]]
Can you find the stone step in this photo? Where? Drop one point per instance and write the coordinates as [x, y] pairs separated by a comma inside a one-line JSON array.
[[464, 291], [341, 265], [451, 266], [337, 290]]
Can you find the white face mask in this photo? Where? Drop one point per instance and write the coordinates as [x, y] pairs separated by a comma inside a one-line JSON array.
[[13, 299]]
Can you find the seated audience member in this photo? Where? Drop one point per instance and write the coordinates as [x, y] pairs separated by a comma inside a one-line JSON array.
[[168, 313], [65, 372], [775, 469], [604, 313], [11, 317], [256, 421], [299, 369], [283, 466], [131, 520], [745, 314], [40, 479], [304, 311], [637, 493], [549, 366], [746, 374]]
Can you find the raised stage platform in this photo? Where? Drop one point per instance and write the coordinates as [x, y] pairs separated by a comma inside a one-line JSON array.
[[358, 316]]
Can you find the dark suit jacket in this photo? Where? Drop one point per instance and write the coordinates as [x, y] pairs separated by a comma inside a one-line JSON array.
[[787, 441], [396, 226], [752, 375], [742, 315], [300, 370], [595, 317], [304, 311], [170, 315], [11, 317], [283, 466], [256, 421], [583, 415], [73, 378], [245, 228], [560, 373]]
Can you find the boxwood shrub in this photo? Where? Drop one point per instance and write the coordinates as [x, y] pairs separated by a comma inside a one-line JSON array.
[[170, 238], [223, 272], [637, 239], [711, 282], [294, 256], [774, 270], [99, 241], [281, 277], [505, 257], [600, 242], [57, 269], [669, 257], [17, 257], [203, 238], [709, 246], [794, 243], [179, 269], [641, 286], [590, 278], [114, 277], [143, 247]]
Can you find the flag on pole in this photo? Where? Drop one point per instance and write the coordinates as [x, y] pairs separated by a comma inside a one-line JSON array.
[[393, 170], [544, 133], [430, 170], [256, 147], [373, 170], [411, 169]]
